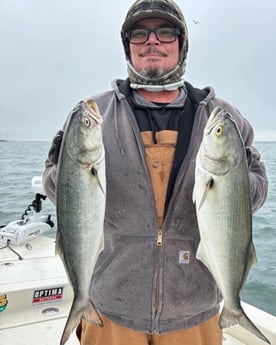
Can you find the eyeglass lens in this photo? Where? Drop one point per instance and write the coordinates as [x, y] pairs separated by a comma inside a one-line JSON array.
[[166, 35]]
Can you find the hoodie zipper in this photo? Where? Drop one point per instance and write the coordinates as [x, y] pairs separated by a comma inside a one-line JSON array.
[[159, 244], [159, 241]]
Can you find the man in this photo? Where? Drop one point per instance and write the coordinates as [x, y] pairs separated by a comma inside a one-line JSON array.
[[153, 125]]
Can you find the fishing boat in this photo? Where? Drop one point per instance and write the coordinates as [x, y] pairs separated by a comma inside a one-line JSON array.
[[35, 295]]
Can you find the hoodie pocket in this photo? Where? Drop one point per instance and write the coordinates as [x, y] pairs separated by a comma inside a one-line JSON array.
[[123, 276], [188, 286]]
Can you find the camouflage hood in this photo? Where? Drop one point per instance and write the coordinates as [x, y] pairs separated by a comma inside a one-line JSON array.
[[170, 11]]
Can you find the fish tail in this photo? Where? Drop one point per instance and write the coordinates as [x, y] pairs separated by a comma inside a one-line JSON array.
[[91, 314], [76, 314], [229, 318], [73, 321]]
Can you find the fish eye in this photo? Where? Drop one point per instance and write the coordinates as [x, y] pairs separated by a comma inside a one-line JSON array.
[[219, 131], [86, 121]]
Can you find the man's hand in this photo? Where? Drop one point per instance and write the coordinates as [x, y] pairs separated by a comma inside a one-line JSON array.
[[249, 156], [55, 148]]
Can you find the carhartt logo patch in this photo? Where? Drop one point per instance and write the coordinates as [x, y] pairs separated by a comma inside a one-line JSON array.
[[184, 257]]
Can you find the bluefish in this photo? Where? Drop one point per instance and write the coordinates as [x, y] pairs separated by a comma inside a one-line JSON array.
[[223, 205], [80, 203]]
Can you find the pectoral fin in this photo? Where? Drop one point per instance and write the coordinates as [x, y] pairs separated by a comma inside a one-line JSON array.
[[94, 172], [209, 184]]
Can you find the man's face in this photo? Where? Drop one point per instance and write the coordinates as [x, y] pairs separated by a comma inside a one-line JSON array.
[[154, 58]]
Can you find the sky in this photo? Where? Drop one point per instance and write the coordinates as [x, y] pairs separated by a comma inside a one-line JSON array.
[[53, 53]]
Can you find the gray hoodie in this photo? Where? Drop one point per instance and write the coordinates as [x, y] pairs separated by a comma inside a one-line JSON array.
[[138, 283]]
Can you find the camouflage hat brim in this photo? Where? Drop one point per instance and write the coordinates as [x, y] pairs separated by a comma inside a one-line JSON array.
[[145, 13]]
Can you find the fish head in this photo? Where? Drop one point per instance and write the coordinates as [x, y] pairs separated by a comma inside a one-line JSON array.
[[84, 134], [222, 147]]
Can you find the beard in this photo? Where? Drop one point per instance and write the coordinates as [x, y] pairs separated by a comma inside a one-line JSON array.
[[153, 72]]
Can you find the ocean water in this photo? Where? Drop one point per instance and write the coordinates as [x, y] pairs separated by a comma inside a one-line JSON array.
[[20, 161]]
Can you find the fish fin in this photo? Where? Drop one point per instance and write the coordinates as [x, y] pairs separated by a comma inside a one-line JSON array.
[[209, 184], [251, 261], [94, 172], [91, 314], [200, 253], [58, 247], [59, 251], [76, 314], [230, 318], [203, 257], [73, 321]]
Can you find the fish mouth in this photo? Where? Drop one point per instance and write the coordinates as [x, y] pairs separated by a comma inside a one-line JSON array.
[[218, 115], [90, 108]]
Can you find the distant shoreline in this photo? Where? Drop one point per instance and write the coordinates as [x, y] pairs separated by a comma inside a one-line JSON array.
[[48, 141], [24, 140]]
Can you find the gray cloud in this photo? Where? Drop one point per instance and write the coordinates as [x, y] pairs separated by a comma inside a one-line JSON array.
[[55, 52]]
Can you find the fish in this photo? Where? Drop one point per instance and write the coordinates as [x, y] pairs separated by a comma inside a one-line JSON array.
[[224, 214], [80, 207]]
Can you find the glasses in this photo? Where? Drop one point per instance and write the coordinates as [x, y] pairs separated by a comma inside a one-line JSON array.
[[164, 35]]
